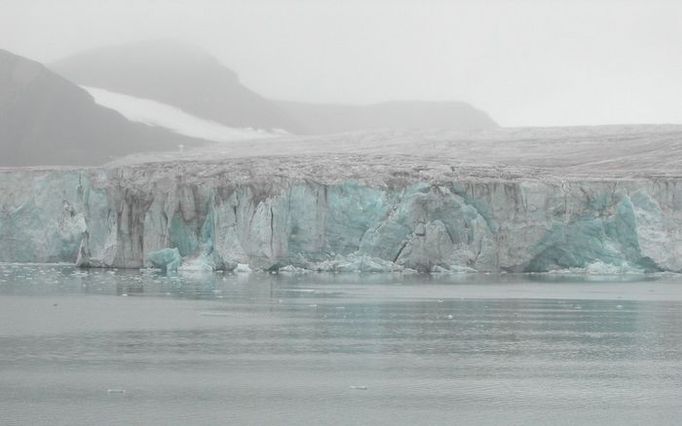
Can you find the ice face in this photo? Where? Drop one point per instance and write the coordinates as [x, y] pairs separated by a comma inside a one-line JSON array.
[[170, 218]]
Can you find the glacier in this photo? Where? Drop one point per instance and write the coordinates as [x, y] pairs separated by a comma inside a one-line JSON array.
[[342, 212], [158, 114]]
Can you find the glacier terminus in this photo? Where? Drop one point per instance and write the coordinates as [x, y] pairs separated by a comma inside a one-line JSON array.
[[514, 200]]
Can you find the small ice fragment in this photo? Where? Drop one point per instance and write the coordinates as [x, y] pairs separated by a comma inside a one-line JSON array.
[[242, 267], [359, 387], [124, 294], [116, 391], [450, 317], [214, 314], [619, 306]]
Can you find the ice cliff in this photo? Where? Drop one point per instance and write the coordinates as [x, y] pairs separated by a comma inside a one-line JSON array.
[[369, 213]]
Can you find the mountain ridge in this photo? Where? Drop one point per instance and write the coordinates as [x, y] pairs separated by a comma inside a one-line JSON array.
[[187, 77], [177, 74], [45, 119]]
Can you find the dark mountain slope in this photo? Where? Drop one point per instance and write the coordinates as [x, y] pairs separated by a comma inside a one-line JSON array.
[[193, 80], [179, 75], [47, 120]]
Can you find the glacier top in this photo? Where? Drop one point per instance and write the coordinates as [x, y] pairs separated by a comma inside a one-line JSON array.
[[599, 152]]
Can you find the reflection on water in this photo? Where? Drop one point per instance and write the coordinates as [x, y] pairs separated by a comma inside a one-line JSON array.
[[131, 347]]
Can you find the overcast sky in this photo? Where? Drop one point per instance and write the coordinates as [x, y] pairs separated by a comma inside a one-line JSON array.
[[533, 62]]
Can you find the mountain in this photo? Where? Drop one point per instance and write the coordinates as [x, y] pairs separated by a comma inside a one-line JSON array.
[[179, 75], [188, 78], [402, 115], [47, 120], [158, 114]]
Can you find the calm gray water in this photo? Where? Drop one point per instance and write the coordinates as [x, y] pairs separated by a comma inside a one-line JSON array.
[[130, 347]]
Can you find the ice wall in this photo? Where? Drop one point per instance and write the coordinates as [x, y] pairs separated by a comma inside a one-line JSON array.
[[126, 217]]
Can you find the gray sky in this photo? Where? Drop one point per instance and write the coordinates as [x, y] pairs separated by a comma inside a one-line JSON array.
[[532, 62]]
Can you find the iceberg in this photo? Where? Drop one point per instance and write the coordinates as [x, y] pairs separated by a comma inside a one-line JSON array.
[[167, 259]]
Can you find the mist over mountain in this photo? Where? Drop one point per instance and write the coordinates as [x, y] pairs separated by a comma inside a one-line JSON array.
[[186, 77], [47, 120], [177, 74], [403, 115]]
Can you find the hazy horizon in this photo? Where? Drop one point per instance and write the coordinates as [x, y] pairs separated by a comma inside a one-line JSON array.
[[526, 63]]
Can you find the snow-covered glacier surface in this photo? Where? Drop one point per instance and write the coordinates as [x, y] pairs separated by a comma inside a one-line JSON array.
[[340, 213]]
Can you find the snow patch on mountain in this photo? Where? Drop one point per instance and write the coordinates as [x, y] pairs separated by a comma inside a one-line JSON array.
[[158, 114]]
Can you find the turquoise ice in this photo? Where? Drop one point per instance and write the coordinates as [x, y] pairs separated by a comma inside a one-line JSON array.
[[121, 217]]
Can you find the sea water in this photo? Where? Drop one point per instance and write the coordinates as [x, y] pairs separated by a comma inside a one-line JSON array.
[[141, 347]]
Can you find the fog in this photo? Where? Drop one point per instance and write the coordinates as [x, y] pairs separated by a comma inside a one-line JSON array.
[[527, 63]]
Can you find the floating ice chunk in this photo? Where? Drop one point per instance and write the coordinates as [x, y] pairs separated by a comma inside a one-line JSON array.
[[291, 269], [166, 259], [197, 264], [206, 262], [357, 263], [355, 387], [243, 268], [453, 269], [601, 268]]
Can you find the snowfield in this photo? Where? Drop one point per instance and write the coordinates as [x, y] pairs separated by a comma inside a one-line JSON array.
[[642, 151], [158, 114]]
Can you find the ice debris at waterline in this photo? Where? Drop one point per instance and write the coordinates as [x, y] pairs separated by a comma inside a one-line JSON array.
[[274, 213], [166, 259]]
